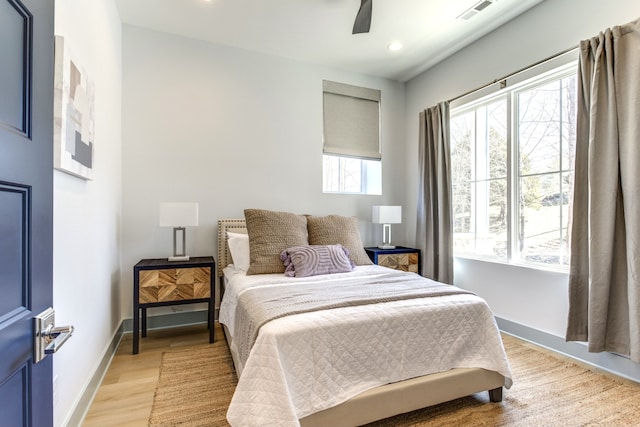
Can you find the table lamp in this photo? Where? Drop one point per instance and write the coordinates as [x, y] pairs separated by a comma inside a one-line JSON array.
[[179, 216], [387, 215]]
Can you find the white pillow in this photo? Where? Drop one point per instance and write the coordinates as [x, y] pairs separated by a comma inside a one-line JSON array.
[[239, 248]]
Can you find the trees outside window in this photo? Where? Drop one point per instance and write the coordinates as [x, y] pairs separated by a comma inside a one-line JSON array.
[[512, 171]]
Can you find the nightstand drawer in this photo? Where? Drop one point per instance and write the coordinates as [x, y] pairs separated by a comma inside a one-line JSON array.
[[174, 284], [400, 258], [404, 262]]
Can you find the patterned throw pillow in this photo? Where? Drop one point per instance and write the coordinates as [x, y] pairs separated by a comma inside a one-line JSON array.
[[303, 261]]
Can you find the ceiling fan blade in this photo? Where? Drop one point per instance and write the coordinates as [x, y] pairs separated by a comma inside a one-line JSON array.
[[363, 18]]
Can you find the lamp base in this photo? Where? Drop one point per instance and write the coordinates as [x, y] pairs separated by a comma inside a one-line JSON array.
[[386, 247], [178, 258]]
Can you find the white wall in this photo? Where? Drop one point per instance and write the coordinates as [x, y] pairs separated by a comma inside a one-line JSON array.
[[535, 298], [231, 129], [86, 288]]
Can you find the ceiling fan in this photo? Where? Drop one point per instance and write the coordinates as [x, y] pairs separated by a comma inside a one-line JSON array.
[[363, 18]]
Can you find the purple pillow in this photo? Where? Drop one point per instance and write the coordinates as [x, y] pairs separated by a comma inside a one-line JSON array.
[[302, 261]]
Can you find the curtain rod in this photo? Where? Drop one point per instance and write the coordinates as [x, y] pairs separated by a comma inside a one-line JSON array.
[[515, 73]]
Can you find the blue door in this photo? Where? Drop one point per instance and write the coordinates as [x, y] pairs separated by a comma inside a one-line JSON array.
[[26, 206]]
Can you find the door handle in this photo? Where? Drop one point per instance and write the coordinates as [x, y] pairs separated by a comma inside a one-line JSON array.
[[48, 338], [57, 336]]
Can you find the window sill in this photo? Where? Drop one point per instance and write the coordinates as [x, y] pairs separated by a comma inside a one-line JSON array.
[[563, 269]]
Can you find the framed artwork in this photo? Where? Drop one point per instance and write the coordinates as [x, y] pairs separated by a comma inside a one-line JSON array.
[[73, 114]]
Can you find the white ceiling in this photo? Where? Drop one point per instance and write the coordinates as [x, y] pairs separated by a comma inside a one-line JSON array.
[[319, 31]]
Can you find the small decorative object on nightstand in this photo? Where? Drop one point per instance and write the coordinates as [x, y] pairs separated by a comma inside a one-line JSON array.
[[160, 282], [400, 258]]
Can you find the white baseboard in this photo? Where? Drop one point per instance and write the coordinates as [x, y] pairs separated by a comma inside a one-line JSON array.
[[610, 362]]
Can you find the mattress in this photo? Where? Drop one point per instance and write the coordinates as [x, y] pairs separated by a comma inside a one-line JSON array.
[[307, 362]]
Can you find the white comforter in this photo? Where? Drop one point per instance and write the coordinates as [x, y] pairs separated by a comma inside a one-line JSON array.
[[304, 363]]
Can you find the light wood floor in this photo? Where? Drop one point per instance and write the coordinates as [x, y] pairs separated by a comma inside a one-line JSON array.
[[126, 393], [125, 397]]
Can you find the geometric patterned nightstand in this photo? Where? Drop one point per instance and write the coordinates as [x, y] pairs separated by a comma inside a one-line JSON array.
[[401, 258], [160, 282]]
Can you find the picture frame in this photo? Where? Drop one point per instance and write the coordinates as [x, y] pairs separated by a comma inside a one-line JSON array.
[[73, 114]]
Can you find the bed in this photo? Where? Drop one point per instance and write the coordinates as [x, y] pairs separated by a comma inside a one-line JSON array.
[[348, 365]]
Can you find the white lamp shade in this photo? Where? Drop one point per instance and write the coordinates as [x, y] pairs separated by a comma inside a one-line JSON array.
[[178, 214], [387, 215]]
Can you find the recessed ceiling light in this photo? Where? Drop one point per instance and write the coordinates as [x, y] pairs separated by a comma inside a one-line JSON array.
[[394, 46]]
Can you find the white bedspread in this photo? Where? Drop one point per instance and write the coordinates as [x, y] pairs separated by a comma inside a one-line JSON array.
[[304, 363]]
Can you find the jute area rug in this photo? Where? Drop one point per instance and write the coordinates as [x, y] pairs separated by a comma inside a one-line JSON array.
[[196, 385]]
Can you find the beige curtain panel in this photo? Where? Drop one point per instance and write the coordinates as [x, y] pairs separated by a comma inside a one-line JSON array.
[[604, 280], [434, 234]]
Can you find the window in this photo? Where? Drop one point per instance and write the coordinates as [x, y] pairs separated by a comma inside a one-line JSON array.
[[512, 158], [351, 175], [351, 148]]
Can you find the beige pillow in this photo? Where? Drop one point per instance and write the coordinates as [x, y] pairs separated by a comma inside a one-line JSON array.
[[270, 233], [336, 229]]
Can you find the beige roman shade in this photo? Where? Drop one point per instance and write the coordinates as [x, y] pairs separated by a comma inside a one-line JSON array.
[[351, 121]]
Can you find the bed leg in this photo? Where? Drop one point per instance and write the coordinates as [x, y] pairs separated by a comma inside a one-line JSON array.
[[495, 395]]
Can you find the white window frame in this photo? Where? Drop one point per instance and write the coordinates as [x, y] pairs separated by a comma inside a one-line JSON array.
[[559, 68], [353, 134], [370, 176]]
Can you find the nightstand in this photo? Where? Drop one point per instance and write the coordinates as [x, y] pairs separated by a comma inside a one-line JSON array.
[[160, 282], [400, 258]]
